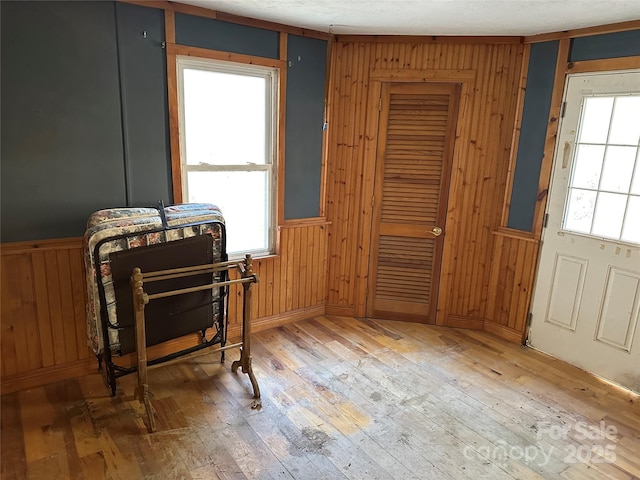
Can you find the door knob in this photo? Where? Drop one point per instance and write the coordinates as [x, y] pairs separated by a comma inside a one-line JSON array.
[[437, 231]]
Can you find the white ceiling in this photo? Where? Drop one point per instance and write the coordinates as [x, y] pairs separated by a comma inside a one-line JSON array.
[[432, 17]]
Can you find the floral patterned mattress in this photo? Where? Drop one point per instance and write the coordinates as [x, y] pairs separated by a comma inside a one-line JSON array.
[[120, 229]]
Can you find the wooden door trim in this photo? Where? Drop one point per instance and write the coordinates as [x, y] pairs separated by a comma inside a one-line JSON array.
[[372, 267], [466, 79], [453, 90]]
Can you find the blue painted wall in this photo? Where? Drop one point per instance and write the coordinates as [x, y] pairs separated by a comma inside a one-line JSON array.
[[84, 112], [535, 113]]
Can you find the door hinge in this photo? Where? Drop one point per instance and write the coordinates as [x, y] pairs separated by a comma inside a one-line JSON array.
[[545, 220], [529, 319], [373, 200], [380, 104], [563, 109]]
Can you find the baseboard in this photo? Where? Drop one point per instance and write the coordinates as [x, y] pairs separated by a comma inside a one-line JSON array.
[[503, 332], [459, 321], [45, 375], [272, 321], [340, 311], [87, 366]]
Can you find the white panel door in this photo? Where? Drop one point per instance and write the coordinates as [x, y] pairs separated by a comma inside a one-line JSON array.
[[587, 297]]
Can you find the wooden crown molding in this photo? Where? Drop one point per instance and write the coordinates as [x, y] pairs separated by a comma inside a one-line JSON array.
[[584, 32]]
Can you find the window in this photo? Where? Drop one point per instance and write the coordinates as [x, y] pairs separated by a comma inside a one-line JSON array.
[[227, 146], [604, 190]]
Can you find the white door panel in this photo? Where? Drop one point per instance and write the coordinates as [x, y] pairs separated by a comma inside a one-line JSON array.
[[586, 302]]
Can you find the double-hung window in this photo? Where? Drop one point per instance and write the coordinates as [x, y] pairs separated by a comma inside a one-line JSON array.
[[228, 126]]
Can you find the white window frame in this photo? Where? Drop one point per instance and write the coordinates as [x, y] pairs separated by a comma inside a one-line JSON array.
[[271, 75]]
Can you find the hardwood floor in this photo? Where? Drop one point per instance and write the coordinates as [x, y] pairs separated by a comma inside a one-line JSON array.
[[342, 398]]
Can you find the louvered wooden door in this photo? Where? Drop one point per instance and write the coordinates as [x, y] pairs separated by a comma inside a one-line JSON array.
[[415, 147]]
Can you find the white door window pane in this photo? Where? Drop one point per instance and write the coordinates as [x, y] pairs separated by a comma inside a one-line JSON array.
[[595, 119], [631, 229], [609, 215], [625, 124], [605, 172], [588, 166], [222, 111], [246, 214], [618, 168], [580, 211]]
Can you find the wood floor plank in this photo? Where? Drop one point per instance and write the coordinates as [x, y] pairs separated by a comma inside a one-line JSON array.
[[13, 465], [342, 398]]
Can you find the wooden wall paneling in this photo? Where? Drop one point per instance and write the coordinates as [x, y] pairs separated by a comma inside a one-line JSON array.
[[67, 317], [366, 204], [478, 176], [11, 307], [276, 274], [290, 283], [55, 305], [461, 242], [322, 258], [515, 297], [78, 296], [312, 267], [296, 263], [43, 303], [306, 268], [474, 208], [42, 308], [511, 105], [336, 192], [348, 174], [421, 40], [352, 176], [457, 192], [356, 171], [514, 262]]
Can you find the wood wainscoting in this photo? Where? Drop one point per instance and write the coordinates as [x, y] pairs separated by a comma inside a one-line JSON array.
[[44, 294], [490, 72], [513, 266]]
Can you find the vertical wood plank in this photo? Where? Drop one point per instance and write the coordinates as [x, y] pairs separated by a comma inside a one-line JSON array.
[[68, 331], [44, 317], [78, 295], [483, 144], [277, 283]]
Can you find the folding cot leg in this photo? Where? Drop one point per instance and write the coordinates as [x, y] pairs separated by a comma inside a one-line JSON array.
[[245, 350], [140, 299]]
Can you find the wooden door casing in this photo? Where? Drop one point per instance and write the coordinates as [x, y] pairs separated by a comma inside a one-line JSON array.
[[416, 134]]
